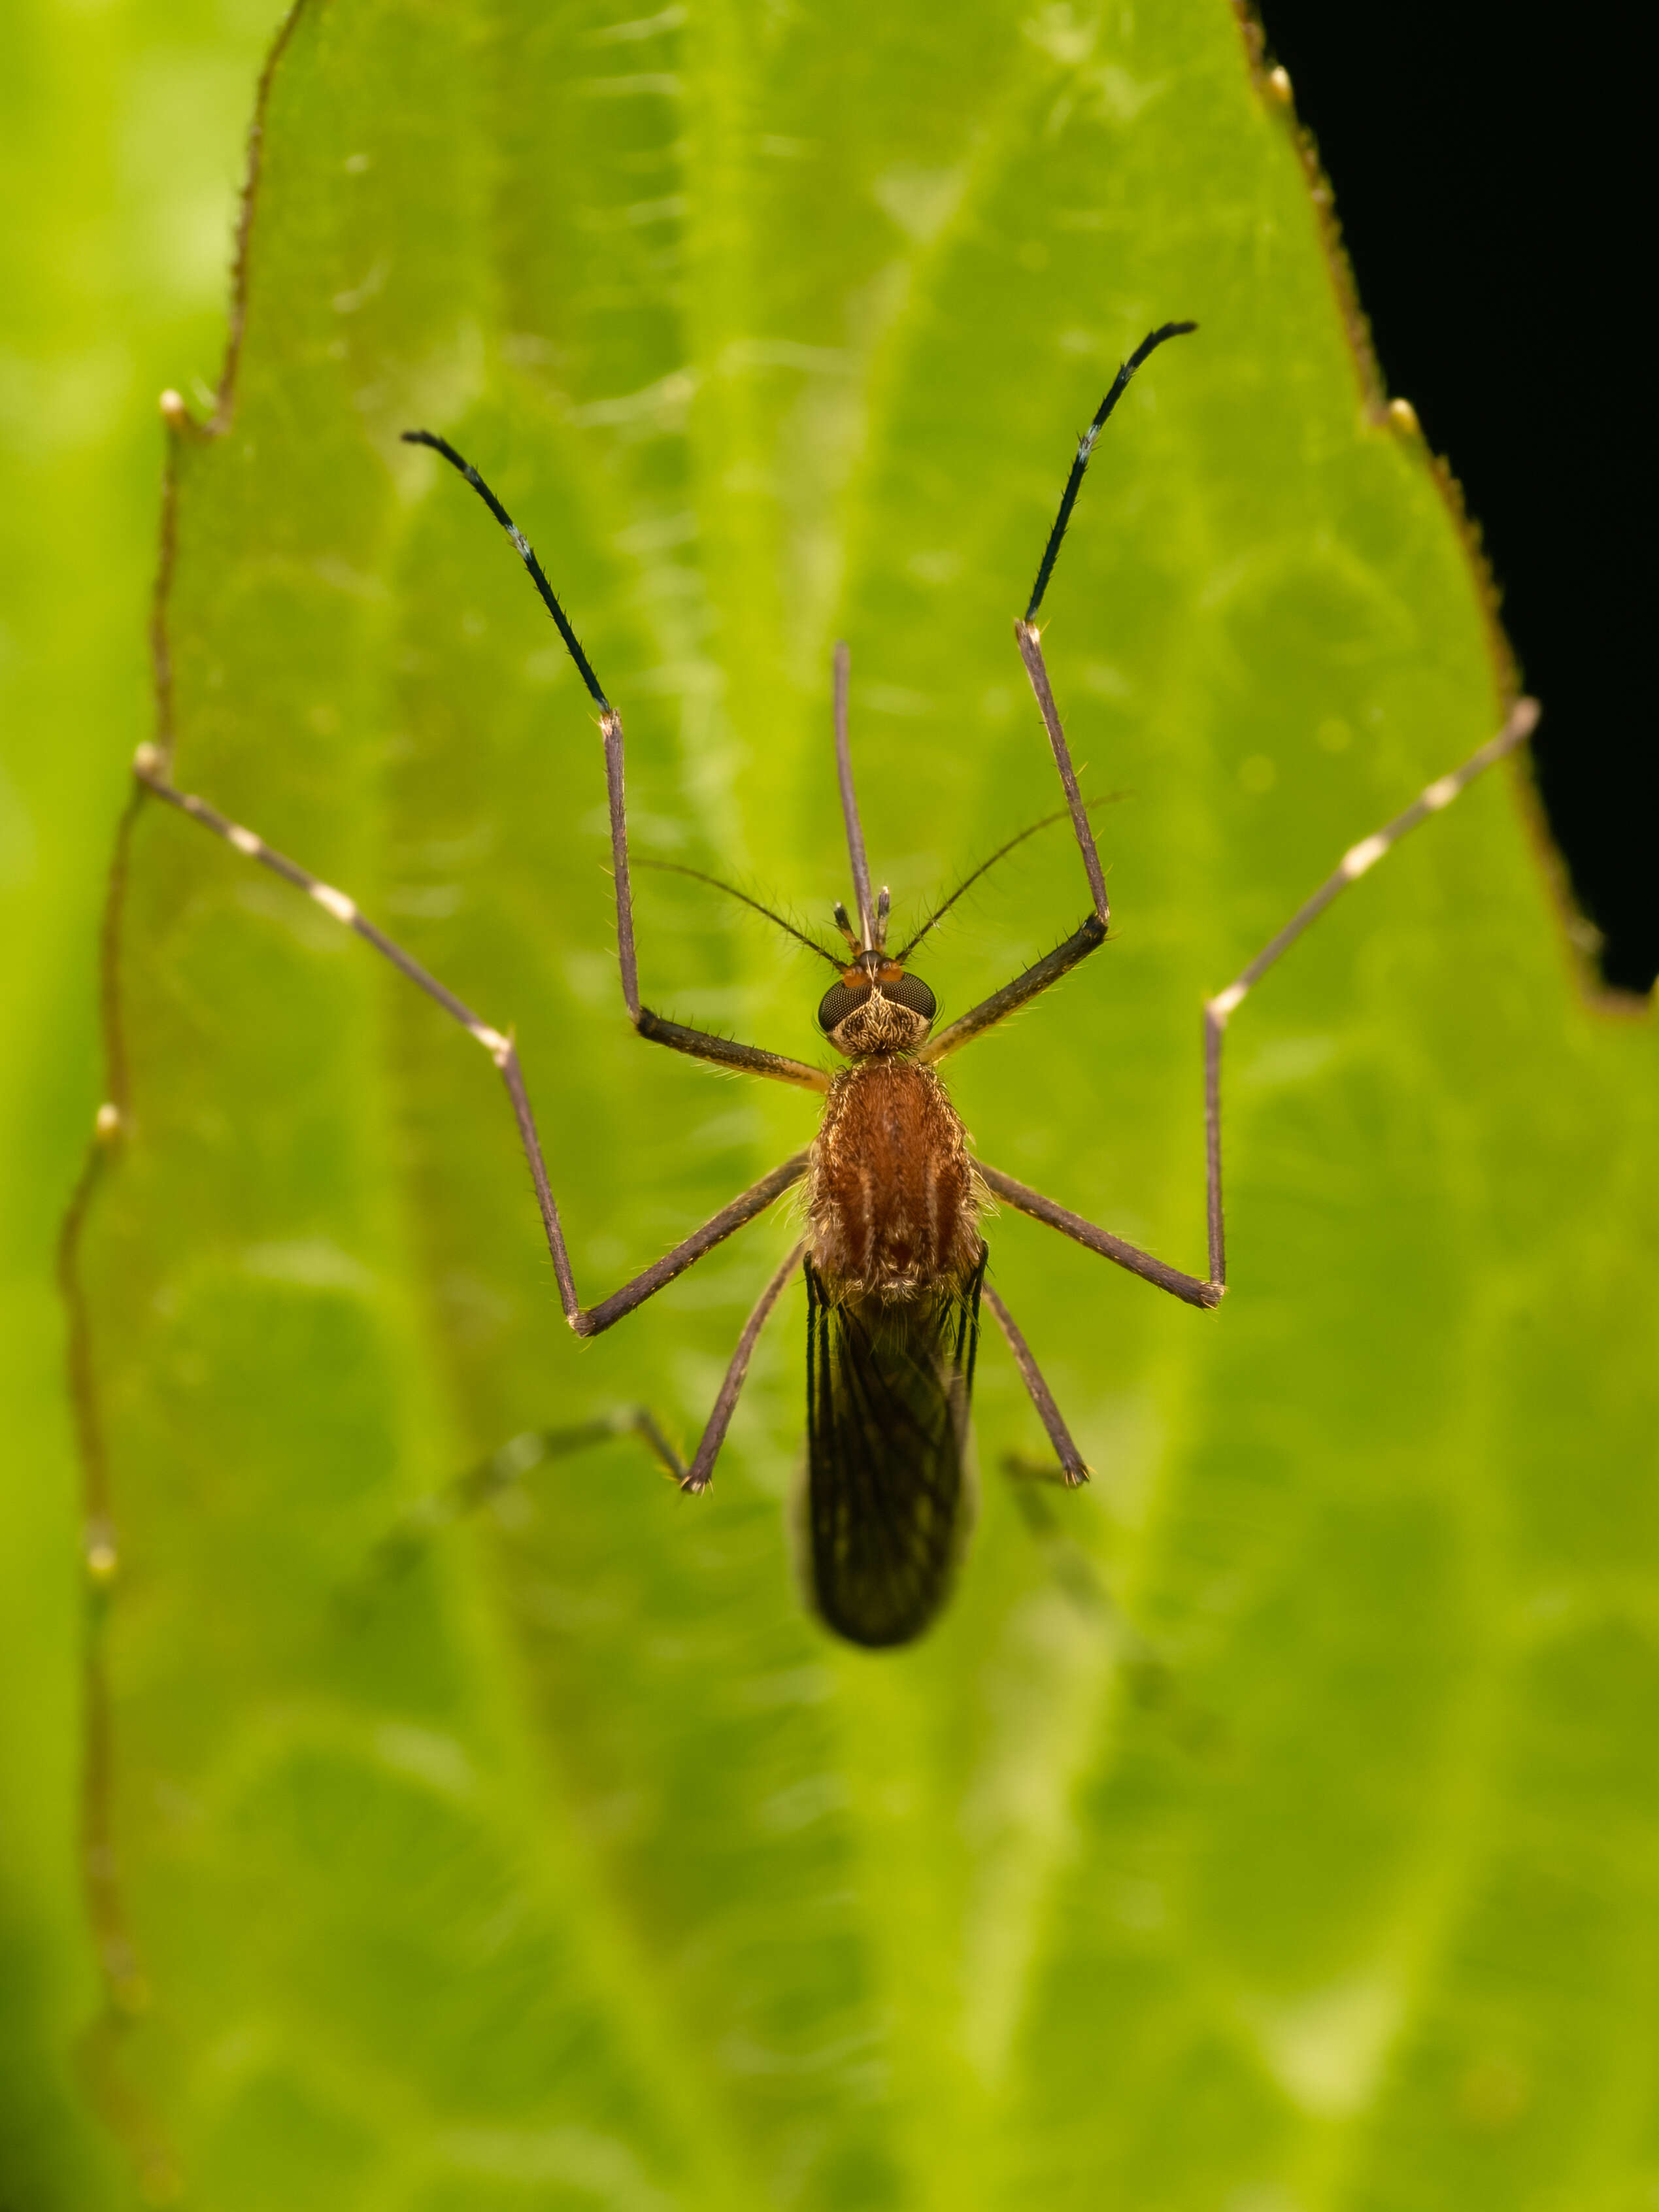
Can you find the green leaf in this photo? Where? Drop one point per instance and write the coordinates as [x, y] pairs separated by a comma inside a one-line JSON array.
[[572, 1863], [121, 131]]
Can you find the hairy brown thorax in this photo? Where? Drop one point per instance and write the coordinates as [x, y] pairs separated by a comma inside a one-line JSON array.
[[891, 1201]]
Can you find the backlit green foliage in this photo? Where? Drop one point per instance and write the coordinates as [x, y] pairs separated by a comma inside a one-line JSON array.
[[574, 1865]]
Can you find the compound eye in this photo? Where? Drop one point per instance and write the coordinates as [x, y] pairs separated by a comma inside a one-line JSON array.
[[838, 1001], [909, 991]]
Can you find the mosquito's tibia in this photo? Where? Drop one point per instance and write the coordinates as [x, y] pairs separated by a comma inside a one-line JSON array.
[[499, 1047], [331, 902]]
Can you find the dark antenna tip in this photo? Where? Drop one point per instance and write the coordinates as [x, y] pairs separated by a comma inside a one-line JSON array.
[[526, 552], [1148, 345]]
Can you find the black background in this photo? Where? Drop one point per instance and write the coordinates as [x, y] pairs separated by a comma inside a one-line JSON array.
[[1486, 181]]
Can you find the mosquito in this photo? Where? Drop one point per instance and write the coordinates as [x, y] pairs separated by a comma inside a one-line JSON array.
[[891, 1252]]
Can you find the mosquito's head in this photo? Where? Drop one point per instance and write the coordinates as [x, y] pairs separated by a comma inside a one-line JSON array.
[[876, 1007]]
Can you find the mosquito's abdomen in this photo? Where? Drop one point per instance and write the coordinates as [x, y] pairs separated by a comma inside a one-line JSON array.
[[891, 1198], [889, 1494]]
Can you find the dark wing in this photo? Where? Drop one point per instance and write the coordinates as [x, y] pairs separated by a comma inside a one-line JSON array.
[[889, 1503]]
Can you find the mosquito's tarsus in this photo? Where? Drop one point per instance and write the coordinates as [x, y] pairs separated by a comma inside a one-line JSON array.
[[892, 1256]]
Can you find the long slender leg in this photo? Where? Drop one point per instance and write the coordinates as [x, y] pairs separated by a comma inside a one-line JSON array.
[[508, 1465], [1091, 933], [521, 1453], [703, 1461], [1070, 1458], [1027, 636], [1156, 1272], [743, 1209], [587, 1321], [1025, 629], [505, 1468], [726, 1052], [700, 1043], [1219, 1010], [512, 1461], [1084, 940], [1354, 863]]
